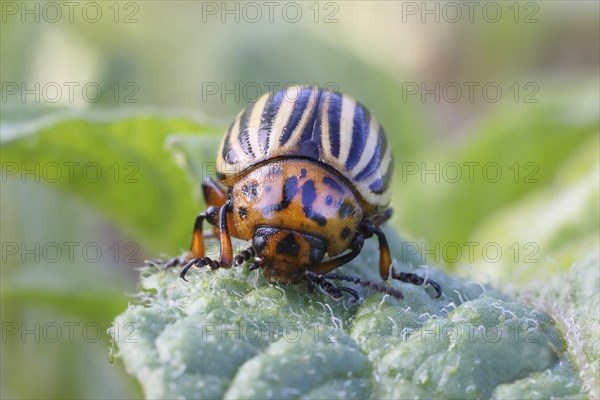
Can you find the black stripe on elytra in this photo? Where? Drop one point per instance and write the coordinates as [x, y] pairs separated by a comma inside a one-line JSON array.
[[244, 134], [309, 195], [375, 159], [312, 132], [288, 246], [266, 119], [384, 145], [334, 115], [381, 184], [333, 184], [297, 112], [360, 133]]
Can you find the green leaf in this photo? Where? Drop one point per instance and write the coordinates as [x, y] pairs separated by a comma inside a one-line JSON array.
[[515, 151], [549, 228], [116, 163], [232, 334], [572, 297]]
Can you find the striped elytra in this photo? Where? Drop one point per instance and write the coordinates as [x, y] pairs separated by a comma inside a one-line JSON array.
[[315, 124]]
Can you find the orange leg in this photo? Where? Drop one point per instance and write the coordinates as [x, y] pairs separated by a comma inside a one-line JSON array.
[[226, 260], [385, 258], [215, 197]]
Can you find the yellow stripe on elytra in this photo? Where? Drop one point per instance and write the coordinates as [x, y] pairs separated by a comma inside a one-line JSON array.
[[325, 139], [234, 142], [346, 127], [286, 107], [254, 125]]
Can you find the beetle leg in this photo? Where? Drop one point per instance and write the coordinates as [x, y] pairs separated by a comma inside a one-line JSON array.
[[200, 262], [213, 194], [368, 228], [335, 292], [383, 218], [377, 286], [416, 280], [197, 245], [244, 256], [385, 260], [320, 280], [352, 292], [225, 238], [330, 265]]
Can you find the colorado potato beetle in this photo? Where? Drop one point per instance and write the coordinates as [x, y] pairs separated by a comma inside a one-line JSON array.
[[304, 175]]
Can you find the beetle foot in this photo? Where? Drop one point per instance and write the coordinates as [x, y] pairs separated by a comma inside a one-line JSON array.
[[416, 280], [200, 262], [243, 256], [335, 292], [377, 286]]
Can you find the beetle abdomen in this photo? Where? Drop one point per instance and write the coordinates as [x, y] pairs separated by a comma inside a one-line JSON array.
[[316, 124]]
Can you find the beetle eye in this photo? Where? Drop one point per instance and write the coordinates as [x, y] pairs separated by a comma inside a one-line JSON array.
[[316, 255], [259, 242]]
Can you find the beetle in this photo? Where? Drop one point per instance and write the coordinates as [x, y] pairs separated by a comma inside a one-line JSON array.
[[302, 173]]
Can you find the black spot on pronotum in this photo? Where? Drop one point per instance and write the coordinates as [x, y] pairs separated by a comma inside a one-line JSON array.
[[290, 189], [250, 190], [329, 200], [333, 184], [303, 172], [288, 245], [309, 195], [345, 233], [243, 212], [319, 219], [346, 209]]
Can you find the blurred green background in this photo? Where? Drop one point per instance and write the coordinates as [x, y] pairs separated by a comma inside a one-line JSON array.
[[91, 186]]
